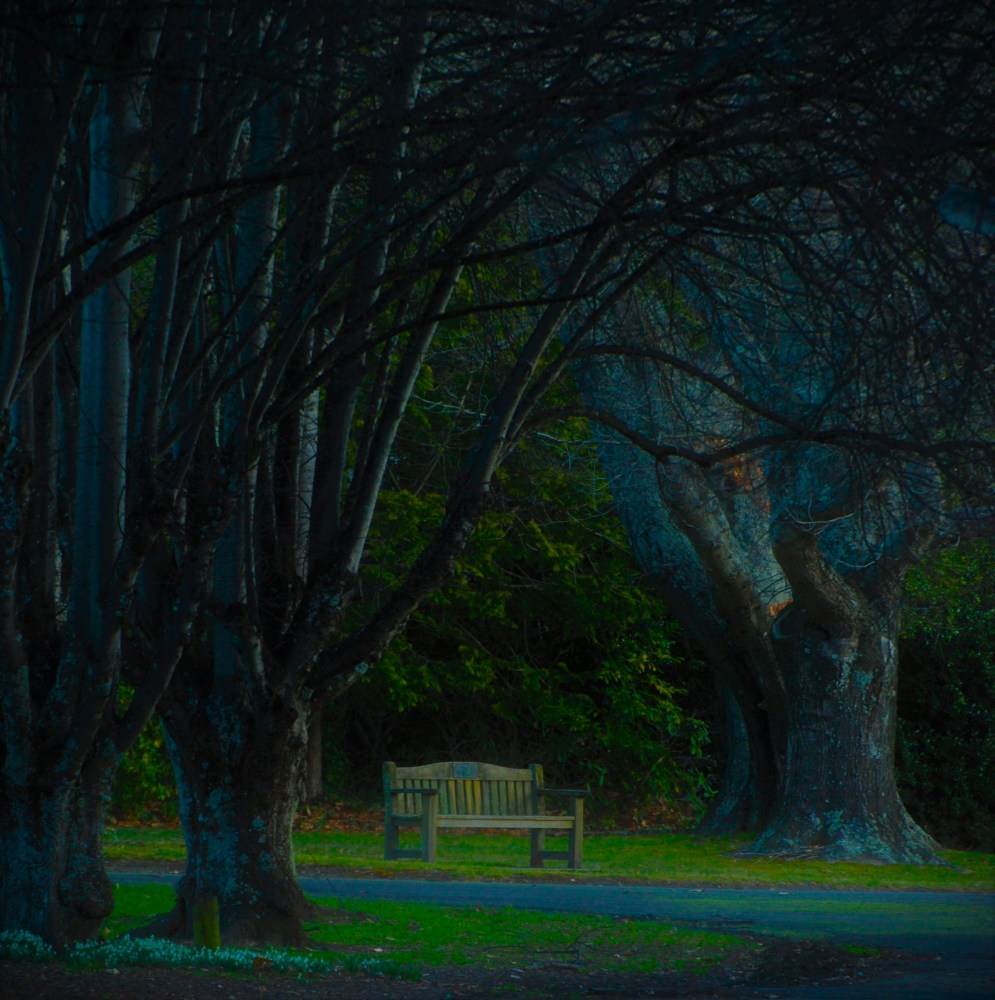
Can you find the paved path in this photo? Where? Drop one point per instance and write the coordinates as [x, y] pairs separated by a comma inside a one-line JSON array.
[[954, 932]]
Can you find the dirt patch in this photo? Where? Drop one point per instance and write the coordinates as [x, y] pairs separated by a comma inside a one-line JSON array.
[[801, 963]]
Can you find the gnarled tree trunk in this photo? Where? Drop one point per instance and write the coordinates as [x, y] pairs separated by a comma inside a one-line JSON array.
[[238, 778], [786, 569], [52, 878], [839, 801], [34, 827]]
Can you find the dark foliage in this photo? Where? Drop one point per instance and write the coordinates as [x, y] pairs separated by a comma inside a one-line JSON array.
[[946, 699]]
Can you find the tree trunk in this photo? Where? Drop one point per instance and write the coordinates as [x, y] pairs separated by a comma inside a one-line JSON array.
[[52, 878], [86, 889], [313, 773], [33, 828], [238, 777], [839, 800], [747, 789]]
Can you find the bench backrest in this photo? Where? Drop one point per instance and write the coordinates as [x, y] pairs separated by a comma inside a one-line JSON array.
[[466, 788]]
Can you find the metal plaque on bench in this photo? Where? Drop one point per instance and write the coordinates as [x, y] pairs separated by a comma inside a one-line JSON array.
[[464, 769]]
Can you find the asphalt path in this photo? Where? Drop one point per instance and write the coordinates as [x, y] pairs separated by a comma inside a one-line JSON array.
[[952, 934]]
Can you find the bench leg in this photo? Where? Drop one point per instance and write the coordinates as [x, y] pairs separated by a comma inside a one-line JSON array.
[[390, 844], [429, 827], [575, 845], [538, 843]]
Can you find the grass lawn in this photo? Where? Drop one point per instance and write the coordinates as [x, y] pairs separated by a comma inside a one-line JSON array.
[[416, 935], [403, 939], [650, 857]]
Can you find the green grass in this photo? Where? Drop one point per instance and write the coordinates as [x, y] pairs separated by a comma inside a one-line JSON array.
[[406, 936], [400, 939], [861, 950], [443, 936], [657, 857], [135, 905]]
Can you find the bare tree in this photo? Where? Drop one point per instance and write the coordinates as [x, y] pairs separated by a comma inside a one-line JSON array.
[[802, 387], [245, 228], [105, 224], [431, 156], [800, 422]]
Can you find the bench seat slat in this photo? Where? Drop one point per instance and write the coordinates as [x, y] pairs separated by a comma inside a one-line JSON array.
[[506, 822], [457, 820]]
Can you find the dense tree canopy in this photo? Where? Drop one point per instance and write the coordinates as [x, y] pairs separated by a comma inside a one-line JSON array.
[[542, 645]]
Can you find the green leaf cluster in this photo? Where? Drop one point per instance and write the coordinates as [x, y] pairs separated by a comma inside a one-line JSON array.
[[544, 646], [946, 726], [144, 786]]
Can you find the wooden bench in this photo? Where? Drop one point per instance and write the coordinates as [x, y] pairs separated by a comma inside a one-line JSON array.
[[467, 794]]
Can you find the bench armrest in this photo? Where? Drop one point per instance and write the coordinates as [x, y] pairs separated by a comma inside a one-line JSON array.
[[576, 793], [414, 791]]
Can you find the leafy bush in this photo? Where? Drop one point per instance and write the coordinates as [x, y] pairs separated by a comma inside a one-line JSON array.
[[144, 786], [543, 647], [946, 725]]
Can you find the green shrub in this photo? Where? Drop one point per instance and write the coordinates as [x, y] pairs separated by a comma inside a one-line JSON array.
[[144, 787], [946, 724], [544, 646]]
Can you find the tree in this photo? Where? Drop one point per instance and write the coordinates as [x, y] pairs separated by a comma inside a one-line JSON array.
[[264, 213], [814, 408], [60, 638], [339, 283], [810, 310], [109, 375]]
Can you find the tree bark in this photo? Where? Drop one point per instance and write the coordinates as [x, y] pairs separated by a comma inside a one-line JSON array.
[[747, 792], [839, 800], [52, 878], [33, 834], [238, 777], [313, 773]]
